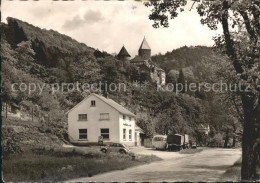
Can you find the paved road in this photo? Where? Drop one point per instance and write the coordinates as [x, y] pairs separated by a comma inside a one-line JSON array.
[[207, 165]]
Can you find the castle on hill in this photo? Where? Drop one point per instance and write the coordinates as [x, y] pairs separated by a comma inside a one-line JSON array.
[[144, 62]]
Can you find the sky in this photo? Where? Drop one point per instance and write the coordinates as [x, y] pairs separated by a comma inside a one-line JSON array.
[[108, 25]]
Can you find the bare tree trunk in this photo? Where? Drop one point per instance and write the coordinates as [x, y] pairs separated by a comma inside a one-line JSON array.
[[226, 138], [234, 141], [251, 131], [234, 134], [250, 142]]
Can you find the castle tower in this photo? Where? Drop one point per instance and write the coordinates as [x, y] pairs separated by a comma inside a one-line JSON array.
[[144, 50], [123, 54]]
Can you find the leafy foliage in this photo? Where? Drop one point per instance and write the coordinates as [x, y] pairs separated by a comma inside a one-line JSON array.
[[240, 23]]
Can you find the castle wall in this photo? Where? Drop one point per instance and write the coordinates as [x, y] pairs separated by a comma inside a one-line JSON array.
[[145, 54], [123, 58]]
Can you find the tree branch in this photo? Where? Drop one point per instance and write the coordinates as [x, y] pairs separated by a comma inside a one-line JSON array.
[[249, 28], [256, 14], [229, 42]]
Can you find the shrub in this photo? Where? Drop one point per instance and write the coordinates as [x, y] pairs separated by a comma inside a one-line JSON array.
[[10, 142]]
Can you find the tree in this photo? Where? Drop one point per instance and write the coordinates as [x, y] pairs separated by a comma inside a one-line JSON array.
[[8, 73], [172, 76], [181, 80], [109, 71], [25, 54], [146, 125], [98, 54], [242, 48], [85, 70], [134, 73]]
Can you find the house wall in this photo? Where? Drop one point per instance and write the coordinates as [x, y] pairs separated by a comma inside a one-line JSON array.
[[11, 111], [93, 124], [137, 138], [128, 125]]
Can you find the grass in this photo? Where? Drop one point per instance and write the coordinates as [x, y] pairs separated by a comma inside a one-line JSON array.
[[59, 165], [232, 174], [190, 151]]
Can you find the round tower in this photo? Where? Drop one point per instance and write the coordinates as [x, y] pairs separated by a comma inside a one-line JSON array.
[[123, 54]]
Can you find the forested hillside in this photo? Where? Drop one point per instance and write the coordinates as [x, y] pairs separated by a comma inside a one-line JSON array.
[[183, 57], [46, 57], [191, 60]]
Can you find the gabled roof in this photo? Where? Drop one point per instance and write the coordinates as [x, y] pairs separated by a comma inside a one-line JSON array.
[[110, 102], [137, 128], [123, 52], [115, 105], [137, 59], [144, 45]]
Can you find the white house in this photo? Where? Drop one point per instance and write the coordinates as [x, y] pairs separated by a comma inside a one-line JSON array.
[[204, 129], [97, 116]]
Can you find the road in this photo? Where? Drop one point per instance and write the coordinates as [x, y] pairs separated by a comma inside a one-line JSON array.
[[207, 165]]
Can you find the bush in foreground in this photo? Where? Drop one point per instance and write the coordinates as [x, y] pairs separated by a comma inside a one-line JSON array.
[[61, 166]]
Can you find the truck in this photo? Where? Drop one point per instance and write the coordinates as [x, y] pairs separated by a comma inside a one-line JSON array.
[[177, 142], [171, 142]]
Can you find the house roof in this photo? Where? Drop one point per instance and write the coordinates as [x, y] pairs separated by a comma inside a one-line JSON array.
[[123, 52], [110, 102], [115, 105], [137, 128], [137, 59], [15, 105], [202, 127], [144, 45], [178, 134]]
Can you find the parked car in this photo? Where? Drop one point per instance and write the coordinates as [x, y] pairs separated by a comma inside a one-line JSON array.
[[115, 147]]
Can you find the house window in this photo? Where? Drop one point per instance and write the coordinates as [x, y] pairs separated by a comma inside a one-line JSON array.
[[104, 116], [124, 134], [130, 134], [83, 134], [104, 133], [93, 103], [83, 117], [124, 117], [130, 118]]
